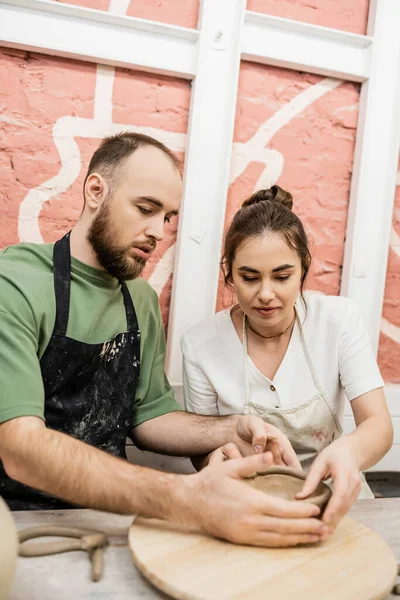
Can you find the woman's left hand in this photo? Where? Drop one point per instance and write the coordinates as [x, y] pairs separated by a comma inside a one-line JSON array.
[[338, 461]]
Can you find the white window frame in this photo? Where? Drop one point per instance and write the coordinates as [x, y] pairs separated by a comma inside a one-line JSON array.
[[210, 57]]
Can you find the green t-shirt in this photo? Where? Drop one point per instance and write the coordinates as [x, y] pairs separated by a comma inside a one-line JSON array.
[[97, 313]]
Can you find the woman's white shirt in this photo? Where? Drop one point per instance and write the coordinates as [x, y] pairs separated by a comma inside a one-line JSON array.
[[337, 342]]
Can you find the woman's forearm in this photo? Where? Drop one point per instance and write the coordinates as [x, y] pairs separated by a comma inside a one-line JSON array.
[[371, 440]]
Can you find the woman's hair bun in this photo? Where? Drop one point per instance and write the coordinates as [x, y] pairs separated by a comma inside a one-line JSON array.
[[274, 194]]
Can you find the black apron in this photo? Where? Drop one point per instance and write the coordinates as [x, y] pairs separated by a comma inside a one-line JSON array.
[[89, 388]]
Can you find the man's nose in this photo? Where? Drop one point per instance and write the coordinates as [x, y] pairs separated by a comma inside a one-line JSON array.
[[156, 229]]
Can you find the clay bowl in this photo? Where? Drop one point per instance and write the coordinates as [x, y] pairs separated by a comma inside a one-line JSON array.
[[286, 482]]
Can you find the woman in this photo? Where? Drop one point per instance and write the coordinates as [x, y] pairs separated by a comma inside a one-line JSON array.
[[288, 356]]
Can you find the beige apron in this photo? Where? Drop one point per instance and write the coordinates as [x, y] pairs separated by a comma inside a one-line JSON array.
[[310, 426]]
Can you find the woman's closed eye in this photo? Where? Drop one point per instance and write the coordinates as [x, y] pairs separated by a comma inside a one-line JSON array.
[[252, 279]]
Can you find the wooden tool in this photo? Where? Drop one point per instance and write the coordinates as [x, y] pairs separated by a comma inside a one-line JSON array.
[[353, 564]]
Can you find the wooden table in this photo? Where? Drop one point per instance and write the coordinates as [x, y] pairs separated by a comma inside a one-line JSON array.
[[68, 575]]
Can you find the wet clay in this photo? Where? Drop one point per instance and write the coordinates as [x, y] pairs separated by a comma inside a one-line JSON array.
[[8, 550], [285, 482]]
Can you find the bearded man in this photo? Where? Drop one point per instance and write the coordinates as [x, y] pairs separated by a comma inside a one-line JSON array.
[[82, 367]]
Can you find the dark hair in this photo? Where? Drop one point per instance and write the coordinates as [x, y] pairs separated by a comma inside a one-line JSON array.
[[114, 149], [266, 211]]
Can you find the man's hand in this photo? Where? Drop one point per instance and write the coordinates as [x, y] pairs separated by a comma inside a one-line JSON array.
[[254, 436], [222, 504], [338, 461], [226, 452], [200, 435]]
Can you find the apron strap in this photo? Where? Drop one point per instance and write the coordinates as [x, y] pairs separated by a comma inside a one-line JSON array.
[[62, 289], [131, 319], [62, 283]]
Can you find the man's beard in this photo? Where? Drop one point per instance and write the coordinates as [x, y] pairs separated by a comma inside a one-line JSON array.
[[113, 258]]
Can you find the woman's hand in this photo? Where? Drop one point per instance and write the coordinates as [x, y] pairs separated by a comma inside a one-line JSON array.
[[219, 500], [338, 461], [253, 435]]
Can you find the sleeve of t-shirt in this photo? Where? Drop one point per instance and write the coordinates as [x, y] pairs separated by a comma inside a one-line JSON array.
[[21, 384], [358, 369], [200, 396], [154, 396]]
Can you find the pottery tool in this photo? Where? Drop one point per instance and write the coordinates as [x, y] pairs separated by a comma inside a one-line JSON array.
[[92, 542]]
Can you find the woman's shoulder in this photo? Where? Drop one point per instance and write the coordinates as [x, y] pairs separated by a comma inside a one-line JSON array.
[[207, 330], [330, 309]]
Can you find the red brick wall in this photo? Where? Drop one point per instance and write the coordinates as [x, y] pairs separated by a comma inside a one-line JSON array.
[[293, 128]]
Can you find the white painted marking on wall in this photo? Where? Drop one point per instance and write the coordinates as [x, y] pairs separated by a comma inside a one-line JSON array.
[[64, 131], [162, 272], [31, 206], [390, 330], [395, 242], [255, 148], [118, 7], [103, 104]]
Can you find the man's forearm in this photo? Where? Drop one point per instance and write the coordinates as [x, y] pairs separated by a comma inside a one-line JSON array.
[[184, 434], [216, 500], [76, 472]]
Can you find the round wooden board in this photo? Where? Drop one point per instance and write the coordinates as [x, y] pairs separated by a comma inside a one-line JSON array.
[[354, 564]]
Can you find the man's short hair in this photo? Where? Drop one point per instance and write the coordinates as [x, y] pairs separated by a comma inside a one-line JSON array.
[[113, 151]]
